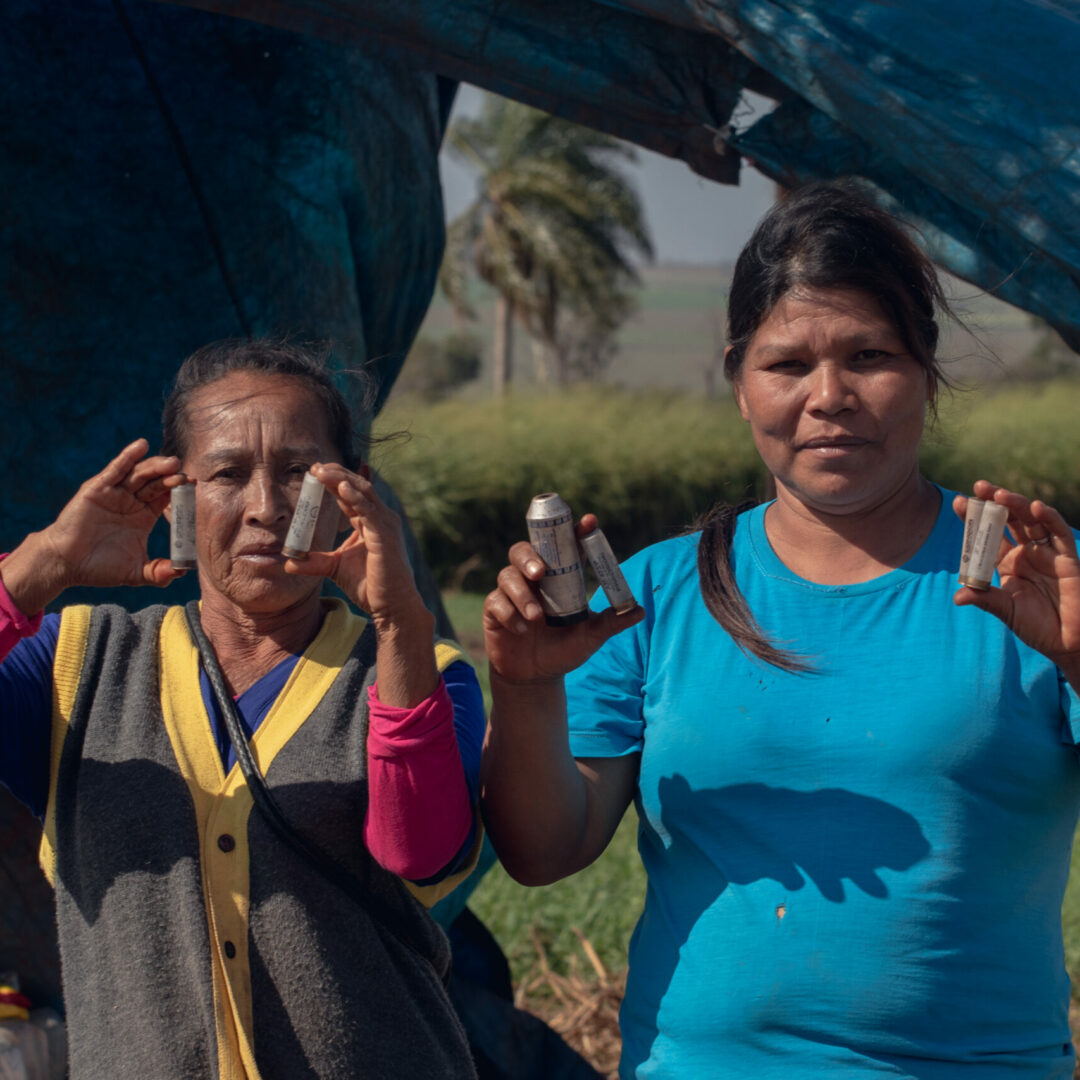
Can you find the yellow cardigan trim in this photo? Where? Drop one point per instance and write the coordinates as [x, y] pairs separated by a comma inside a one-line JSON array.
[[223, 803], [430, 895], [67, 671], [309, 682], [197, 755]]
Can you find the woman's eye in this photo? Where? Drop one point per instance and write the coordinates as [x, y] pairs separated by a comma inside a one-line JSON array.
[[869, 355], [227, 475], [787, 366]]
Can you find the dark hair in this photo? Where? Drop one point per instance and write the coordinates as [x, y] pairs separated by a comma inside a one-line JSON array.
[[822, 236], [830, 236], [265, 357]]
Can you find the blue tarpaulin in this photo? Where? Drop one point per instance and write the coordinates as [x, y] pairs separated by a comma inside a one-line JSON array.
[[962, 114]]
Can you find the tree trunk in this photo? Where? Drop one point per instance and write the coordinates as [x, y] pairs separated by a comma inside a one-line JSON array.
[[540, 361], [503, 345]]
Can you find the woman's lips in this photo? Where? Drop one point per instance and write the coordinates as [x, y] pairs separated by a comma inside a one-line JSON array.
[[263, 555], [835, 447]]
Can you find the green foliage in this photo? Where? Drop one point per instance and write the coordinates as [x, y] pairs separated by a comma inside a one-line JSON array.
[[646, 464], [1070, 920], [603, 901], [435, 368], [1024, 437]]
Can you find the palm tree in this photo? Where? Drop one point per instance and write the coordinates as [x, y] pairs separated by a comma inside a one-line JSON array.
[[553, 229]]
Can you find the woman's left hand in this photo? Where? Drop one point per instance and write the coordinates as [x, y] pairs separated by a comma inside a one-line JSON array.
[[371, 566], [1039, 594]]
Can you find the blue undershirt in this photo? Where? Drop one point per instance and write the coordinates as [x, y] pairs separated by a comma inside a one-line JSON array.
[[856, 872], [26, 694]]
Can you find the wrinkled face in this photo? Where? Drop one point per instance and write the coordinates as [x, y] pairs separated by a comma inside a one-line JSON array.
[[251, 440], [834, 399]]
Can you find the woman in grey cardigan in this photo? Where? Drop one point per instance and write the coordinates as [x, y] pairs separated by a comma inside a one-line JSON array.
[[194, 942]]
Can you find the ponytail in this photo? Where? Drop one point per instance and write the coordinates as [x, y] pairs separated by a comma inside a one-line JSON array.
[[721, 594]]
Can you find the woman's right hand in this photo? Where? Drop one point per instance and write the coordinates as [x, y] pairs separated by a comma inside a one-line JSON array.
[[100, 536], [520, 645]]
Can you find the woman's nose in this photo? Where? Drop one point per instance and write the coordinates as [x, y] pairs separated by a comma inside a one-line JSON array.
[[830, 390], [268, 501]]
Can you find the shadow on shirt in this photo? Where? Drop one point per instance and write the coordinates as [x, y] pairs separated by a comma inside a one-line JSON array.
[[744, 833]]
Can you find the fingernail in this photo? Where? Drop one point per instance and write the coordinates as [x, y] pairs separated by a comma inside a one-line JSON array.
[[520, 627], [534, 567], [532, 611]]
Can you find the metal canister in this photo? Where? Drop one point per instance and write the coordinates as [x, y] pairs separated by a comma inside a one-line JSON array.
[[551, 533], [182, 527]]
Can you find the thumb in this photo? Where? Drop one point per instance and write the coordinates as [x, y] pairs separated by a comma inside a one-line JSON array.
[[609, 623], [317, 564], [993, 601], [159, 572]]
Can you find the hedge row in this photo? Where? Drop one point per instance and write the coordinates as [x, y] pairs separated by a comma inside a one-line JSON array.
[[649, 463]]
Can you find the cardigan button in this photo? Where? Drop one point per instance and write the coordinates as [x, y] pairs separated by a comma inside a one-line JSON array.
[[226, 842], [230, 949]]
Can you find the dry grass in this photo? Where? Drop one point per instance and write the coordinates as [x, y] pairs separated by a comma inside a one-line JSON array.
[[582, 1008]]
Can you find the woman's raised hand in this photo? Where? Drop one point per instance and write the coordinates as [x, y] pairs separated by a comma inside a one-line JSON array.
[[372, 568], [1039, 594], [100, 537], [371, 565], [520, 645]]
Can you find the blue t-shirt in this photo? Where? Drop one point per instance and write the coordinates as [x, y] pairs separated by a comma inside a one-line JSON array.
[[856, 872]]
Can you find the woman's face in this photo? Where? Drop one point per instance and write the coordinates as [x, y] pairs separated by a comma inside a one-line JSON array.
[[834, 399], [251, 440]]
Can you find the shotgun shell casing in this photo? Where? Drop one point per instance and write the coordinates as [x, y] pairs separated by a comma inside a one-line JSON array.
[[551, 533], [971, 527], [182, 554], [302, 529], [984, 550], [606, 568]]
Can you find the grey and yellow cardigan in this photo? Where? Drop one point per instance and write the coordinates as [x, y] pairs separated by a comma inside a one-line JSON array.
[[195, 945]]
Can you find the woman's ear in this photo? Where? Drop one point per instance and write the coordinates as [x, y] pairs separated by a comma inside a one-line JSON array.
[[736, 389]]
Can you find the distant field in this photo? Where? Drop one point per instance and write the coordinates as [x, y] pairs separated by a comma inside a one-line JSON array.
[[677, 336]]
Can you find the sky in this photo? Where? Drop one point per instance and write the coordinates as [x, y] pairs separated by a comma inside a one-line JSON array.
[[692, 220]]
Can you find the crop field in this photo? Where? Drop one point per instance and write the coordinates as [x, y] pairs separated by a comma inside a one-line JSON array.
[[677, 336]]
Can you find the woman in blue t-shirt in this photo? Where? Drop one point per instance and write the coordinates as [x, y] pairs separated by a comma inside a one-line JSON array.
[[857, 792]]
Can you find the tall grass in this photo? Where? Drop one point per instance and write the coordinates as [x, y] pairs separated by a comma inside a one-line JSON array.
[[648, 463], [1024, 437]]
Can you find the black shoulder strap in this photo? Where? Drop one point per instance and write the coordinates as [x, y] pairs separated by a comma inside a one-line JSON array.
[[328, 868]]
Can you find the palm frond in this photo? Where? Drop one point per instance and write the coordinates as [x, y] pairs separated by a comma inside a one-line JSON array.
[[555, 228]]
